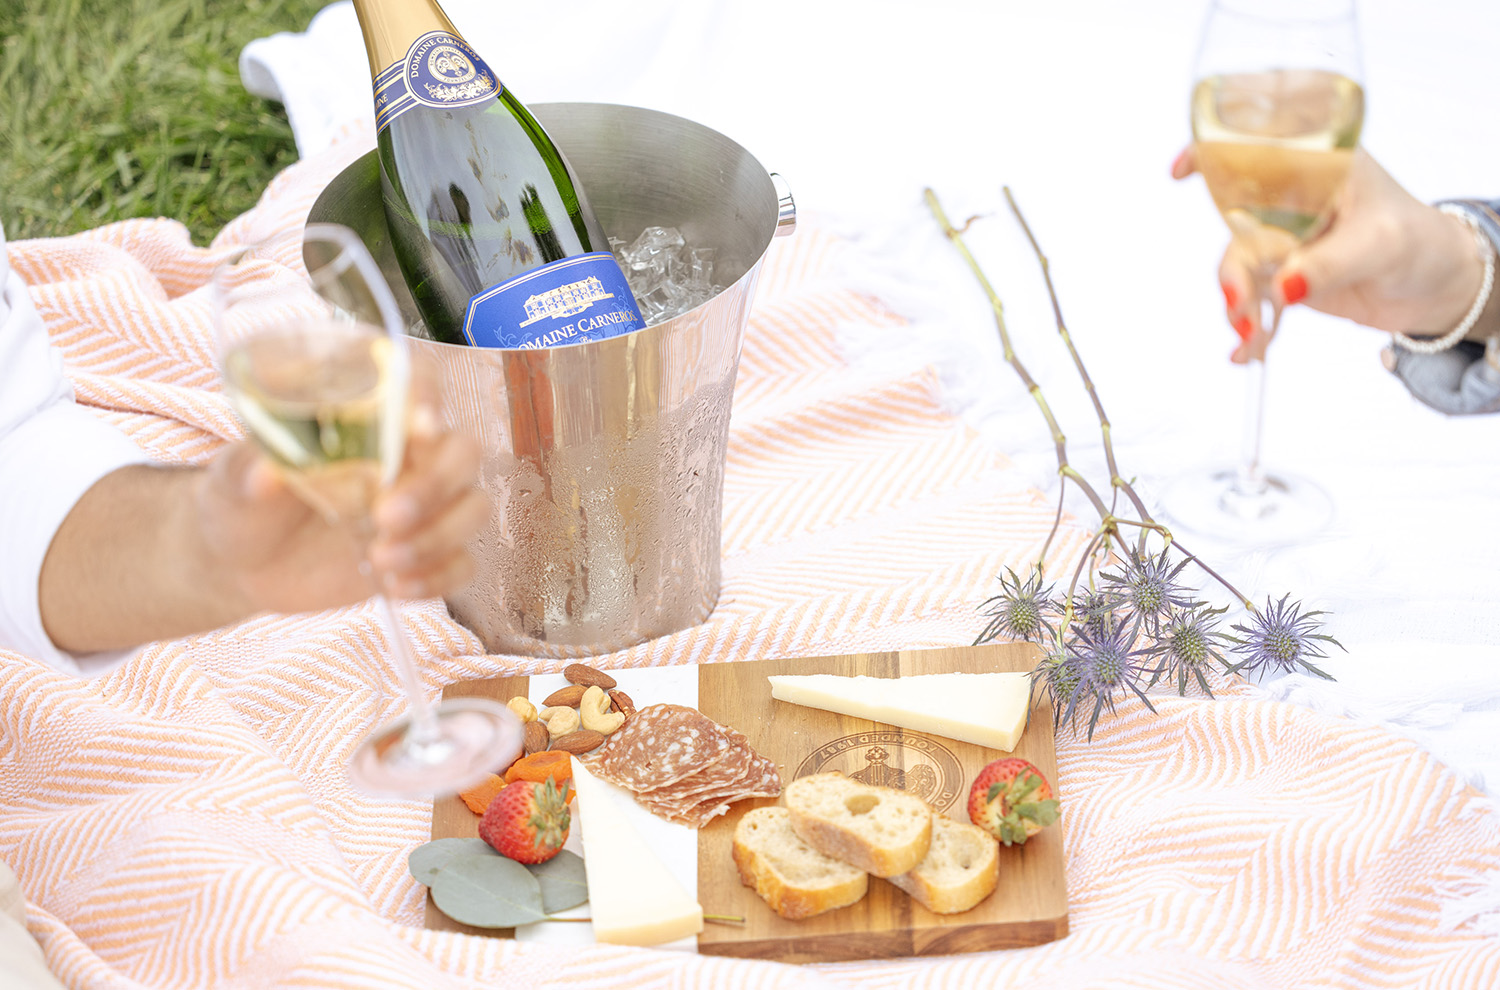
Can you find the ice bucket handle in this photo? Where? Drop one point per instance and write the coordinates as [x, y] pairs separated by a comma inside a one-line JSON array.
[[786, 207]]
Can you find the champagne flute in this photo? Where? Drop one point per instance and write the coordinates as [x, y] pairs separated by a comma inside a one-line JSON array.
[[320, 377], [1276, 114]]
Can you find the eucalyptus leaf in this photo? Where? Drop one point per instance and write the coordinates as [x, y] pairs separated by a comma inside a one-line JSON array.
[[487, 892], [563, 882], [426, 860]]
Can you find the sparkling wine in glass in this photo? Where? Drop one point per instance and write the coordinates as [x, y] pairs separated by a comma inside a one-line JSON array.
[[1276, 113], [319, 374]]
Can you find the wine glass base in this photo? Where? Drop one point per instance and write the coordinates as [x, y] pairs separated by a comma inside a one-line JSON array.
[[1216, 505], [474, 738]]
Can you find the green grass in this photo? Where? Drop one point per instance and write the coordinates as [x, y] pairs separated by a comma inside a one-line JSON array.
[[113, 109]]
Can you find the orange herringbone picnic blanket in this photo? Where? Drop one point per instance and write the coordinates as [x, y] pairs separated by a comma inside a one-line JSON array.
[[183, 822]]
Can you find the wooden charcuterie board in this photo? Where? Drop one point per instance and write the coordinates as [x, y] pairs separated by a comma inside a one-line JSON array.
[[1030, 906]]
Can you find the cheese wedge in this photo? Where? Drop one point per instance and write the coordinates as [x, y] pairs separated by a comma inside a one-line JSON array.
[[987, 709], [633, 897]]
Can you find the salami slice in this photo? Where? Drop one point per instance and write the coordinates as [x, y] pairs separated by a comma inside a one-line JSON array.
[[659, 746], [764, 781], [682, 765], [729, 769], [699, 806]]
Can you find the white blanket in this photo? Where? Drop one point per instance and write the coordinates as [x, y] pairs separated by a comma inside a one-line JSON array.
[[1079, 107]]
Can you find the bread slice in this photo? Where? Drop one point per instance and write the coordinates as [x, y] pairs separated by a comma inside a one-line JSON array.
[[878, 829], [962, 868], [790, 875]]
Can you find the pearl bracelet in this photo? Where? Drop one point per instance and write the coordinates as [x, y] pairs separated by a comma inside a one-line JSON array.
[[1432, 345]]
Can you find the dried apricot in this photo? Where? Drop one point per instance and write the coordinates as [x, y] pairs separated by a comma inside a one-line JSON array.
[[539, 766], [479, 796]]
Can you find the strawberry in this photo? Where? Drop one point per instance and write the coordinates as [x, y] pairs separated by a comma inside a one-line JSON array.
[[1011, 800], [527, 822]]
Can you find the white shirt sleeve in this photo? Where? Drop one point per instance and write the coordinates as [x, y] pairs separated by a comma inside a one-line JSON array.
[[51, 452]]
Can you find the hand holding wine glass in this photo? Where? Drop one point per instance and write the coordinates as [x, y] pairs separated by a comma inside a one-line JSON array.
[[1276, 113], [1387, 260], [278, 554], [321, 377]]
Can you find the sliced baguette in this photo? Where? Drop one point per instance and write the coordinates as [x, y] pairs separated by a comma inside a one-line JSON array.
[[790, 875], [962, 868], [880, 830]]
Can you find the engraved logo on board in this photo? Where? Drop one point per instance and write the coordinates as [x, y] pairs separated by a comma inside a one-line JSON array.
[[891, 758], [565, 300]]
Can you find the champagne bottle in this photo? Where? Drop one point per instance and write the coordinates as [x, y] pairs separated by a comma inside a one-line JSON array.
[[494, 236]]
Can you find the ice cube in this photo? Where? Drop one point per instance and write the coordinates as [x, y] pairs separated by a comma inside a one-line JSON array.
[[667, 276]]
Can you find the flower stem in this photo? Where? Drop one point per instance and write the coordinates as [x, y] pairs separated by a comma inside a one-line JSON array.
[[1109, 521], [1115, 479], [1062, 491], [1035, 390]]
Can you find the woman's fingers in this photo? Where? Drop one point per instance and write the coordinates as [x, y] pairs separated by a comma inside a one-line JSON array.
[[1242, 302], [1185, 164]]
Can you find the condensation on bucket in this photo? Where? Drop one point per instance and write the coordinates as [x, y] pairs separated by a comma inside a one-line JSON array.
[[576, 559], [606, 475], [605, 459]]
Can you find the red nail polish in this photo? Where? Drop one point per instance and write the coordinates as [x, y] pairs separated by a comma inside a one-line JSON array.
[[1293, 288], [1176, 162], [1243, 328], [1231, 297]]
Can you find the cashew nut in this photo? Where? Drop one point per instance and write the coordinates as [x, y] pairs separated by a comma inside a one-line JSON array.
[[524, 709], [596, 713], [560, 721]]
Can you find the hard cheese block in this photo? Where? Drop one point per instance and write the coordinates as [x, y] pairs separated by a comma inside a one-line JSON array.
[[985, 709], [633, 897]]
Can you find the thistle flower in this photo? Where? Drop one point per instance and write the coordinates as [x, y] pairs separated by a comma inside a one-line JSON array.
[[1059, 674], [1094, 610], [1282, 637], [1020, 610], [1106, 665], [1188, 644], [1149, 586]]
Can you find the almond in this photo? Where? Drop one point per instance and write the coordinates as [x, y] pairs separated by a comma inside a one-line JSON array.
[[536, 738], [579, 742], [620, 702], [582, 673], [567, 697]]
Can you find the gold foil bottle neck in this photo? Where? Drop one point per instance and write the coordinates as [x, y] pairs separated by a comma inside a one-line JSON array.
[[390, 27]]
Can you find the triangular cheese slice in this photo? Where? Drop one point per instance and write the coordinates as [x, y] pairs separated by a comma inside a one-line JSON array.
[[987, 709], [633, 897]]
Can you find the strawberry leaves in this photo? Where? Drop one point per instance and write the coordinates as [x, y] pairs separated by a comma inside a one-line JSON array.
[[1017, 807], [1012, 800]]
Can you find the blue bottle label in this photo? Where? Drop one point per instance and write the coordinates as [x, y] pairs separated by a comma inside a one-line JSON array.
[[440, 70], [584, 297]]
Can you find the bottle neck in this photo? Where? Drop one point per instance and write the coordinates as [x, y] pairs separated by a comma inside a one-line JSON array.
[[390, 27]]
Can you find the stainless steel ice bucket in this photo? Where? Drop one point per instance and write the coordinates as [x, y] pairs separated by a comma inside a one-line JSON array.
[[605, 460]]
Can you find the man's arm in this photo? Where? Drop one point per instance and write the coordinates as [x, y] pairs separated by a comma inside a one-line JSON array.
[[152, 553], [128, 566], [101, 552]]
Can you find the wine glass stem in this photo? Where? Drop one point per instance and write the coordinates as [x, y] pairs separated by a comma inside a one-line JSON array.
[[424, 726], [1251, 480]]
